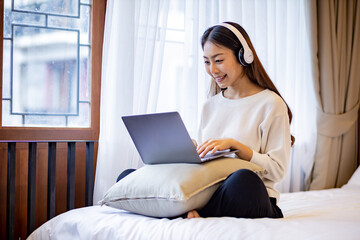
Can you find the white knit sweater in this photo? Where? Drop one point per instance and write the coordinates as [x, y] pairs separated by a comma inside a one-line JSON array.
[[259, 121]]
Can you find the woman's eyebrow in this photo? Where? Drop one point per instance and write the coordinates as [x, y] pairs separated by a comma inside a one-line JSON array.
[[214, 56]]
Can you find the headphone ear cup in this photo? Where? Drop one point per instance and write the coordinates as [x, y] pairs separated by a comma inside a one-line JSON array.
[[241, 57]]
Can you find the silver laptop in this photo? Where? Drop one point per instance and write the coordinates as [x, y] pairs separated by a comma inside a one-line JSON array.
[[163, 138]]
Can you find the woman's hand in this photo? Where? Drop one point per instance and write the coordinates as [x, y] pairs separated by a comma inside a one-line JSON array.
[[213, 145]]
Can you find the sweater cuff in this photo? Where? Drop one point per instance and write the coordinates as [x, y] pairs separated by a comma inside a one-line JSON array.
[[258, 159]]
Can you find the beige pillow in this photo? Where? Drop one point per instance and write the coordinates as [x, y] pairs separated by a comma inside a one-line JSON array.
[[168, 190]]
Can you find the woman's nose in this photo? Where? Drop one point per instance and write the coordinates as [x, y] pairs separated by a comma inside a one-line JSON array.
[[213, 68]]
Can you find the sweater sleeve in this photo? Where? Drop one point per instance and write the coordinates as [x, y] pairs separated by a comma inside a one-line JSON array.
[[274, 154]]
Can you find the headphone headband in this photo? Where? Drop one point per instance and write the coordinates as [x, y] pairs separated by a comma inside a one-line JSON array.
[[248, 54]]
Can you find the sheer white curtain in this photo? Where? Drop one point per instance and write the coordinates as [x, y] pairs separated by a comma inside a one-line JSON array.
[[132, 62], [153, 62]]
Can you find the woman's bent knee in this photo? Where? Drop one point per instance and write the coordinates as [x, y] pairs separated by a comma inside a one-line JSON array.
[[124, 174]]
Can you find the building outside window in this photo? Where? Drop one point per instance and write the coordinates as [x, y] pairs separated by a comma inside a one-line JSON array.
[[46, 63]]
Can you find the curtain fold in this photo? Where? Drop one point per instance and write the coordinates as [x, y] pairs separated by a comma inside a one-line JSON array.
[[337, 90]]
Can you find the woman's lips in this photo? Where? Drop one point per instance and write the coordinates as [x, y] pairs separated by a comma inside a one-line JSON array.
[[220, 79]]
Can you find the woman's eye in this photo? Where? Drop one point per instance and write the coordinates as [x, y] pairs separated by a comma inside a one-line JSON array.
[[218, 61], [206, 62]]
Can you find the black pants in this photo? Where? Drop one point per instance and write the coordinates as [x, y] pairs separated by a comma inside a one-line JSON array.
[[243, 195]]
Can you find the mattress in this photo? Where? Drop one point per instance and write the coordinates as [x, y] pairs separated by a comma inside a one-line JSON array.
[[324, 214]]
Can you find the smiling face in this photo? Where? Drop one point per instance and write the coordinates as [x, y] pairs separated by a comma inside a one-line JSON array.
[[222, 65]]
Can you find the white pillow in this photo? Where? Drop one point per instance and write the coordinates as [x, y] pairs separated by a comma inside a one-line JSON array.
[[354, 181], [168, 190]]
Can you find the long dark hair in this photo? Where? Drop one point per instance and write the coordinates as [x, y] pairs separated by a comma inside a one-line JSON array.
[[221, 35]]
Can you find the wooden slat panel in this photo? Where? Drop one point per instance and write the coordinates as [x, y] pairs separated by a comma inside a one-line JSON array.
[[3, 188], [70, 196], [61, 178], [80, 176], [89, 184], [22, 155], [41, 183], [10, 205], [51, 180], [31, 188]]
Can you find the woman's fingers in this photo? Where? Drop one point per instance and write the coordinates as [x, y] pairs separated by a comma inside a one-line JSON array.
[[216, 148], [213, 145], [203, 150], [206, 150]]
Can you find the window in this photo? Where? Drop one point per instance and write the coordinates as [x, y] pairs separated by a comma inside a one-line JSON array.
[[49, 83], [46, 80]]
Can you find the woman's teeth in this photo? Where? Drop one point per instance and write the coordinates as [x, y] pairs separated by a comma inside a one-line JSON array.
[[219, 79]]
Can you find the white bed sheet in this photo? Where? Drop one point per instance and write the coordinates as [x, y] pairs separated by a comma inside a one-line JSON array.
[[324, 214]]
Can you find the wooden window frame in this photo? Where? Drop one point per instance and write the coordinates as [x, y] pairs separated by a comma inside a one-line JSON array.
[[56, 133]]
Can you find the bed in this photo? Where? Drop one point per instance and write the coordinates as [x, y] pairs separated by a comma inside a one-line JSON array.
[[324, 214]]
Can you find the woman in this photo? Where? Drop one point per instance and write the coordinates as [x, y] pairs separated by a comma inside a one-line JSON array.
[[247, 113]]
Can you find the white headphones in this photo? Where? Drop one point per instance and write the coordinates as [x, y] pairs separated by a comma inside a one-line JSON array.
[[246, 56]]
